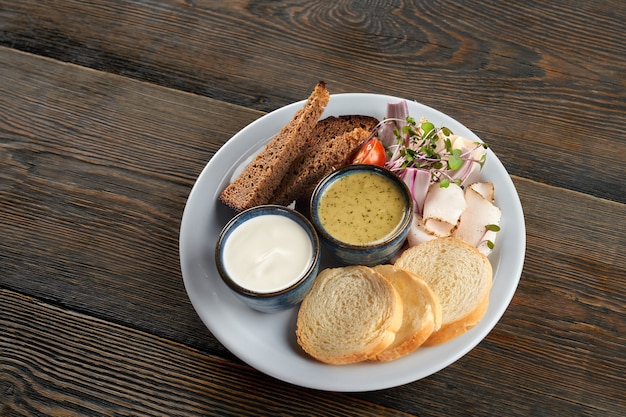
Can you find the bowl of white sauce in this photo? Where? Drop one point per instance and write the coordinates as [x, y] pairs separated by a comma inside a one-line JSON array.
[[268, 256]]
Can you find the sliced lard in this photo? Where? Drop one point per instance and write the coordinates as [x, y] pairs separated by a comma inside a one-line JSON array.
[[443, 207], [479, 213]]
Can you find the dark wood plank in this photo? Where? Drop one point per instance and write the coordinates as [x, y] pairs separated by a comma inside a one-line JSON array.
[[59, 363], [93, 182], [520, 75]]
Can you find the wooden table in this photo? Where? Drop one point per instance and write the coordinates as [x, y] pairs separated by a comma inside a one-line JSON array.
[[109, 110]]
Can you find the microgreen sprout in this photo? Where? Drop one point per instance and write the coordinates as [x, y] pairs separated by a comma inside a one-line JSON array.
[[492, 228], [421, 145]]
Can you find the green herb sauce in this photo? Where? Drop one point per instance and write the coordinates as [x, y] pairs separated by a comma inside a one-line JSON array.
[[361, 208]]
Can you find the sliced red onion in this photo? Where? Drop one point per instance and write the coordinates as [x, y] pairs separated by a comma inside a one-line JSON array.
[[398, 112], [418, 181]]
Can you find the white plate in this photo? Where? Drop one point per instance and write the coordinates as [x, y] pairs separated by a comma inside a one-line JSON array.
[[267, 342]]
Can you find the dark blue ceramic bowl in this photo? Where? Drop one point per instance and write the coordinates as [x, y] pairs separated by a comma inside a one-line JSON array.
[[369, 254], [286, 298]]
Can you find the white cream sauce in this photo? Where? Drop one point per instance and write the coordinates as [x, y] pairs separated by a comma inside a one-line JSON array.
[[267, 253]]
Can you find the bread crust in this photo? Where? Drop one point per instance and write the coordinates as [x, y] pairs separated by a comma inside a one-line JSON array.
[[421, 312], [259, 180], [329, 312], [459, 327], [449, 264]]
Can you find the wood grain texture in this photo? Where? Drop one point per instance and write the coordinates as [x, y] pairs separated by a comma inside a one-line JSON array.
[[109, 110], [96, 232], [519, 75], [59, 363], [93, 184]]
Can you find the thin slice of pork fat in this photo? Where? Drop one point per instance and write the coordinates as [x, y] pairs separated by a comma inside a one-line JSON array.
[[443, 207], [479, 213]]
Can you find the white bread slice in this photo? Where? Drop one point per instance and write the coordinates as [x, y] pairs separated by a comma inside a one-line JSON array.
[[350, 314], [461, 277], [421, 312]]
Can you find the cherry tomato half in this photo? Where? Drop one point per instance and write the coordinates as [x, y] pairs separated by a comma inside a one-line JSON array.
[[371, 152]]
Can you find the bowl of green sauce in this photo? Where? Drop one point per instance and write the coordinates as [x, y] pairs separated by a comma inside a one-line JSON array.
[[362, 214]]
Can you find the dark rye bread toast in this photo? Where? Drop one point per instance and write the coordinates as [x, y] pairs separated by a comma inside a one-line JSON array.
[[333, 150], [332, 126], [260, 179]]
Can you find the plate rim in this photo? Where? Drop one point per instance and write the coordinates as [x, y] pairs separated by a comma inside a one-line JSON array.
[[478, 333]]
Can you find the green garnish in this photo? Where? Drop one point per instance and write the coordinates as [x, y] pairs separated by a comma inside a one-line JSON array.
[[424, 146]]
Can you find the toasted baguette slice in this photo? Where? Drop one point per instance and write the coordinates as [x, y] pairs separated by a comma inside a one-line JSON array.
[[421, 312], [350, 314], [461, 277], [259, 180], [319, 161]]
